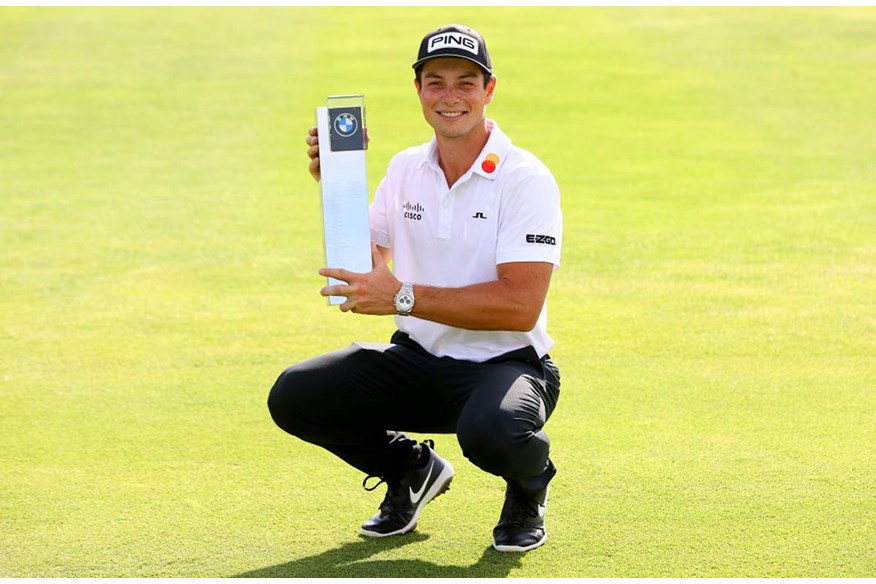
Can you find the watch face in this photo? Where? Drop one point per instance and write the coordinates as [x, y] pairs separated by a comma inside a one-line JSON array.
[[404, 303]]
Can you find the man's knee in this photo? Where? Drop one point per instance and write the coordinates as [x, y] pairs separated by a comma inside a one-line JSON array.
[[284, 401], [502, 444]]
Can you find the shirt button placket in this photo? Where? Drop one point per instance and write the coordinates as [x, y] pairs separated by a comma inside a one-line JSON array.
[[445, 212]]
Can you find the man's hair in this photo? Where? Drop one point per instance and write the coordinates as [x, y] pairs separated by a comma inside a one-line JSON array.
[[418, 72]]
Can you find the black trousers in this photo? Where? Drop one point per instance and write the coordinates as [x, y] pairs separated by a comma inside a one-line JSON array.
[[357, 403]]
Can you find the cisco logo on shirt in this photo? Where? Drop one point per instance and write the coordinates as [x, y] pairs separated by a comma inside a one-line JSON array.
[[413, 212]]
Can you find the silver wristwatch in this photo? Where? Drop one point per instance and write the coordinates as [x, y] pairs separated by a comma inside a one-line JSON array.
[[404, 299]]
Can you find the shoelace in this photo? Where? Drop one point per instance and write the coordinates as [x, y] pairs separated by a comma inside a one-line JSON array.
[[393, 490], [383, 479], [377, 484]]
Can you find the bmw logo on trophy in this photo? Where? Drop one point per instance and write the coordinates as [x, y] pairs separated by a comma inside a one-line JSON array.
[[344, 185]]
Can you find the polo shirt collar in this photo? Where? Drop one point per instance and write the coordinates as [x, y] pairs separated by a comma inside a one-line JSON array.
[[488, 161]]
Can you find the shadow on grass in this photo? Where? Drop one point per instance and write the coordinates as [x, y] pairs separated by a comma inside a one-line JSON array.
[[351, 560]]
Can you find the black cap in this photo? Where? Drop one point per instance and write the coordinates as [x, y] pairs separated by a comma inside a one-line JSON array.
[[455, 40]]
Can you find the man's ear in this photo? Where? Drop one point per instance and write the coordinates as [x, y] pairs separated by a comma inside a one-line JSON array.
[[491, 87]]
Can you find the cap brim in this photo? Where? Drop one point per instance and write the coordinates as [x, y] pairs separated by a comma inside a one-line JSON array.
[[430, 57]]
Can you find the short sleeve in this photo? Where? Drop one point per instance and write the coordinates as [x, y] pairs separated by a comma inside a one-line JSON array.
[[530, 220]]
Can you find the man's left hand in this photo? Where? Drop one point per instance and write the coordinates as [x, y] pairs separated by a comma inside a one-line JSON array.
[[371, 293]]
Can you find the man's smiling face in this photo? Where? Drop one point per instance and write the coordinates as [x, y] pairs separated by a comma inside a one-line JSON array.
[[453, 96]]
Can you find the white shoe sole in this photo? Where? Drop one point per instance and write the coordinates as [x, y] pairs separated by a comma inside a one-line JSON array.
[[515, 548]]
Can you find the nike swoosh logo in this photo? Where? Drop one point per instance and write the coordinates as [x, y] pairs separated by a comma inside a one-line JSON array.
[[416, 496]]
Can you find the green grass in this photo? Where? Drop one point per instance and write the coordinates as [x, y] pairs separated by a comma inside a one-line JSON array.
[[715, 314]]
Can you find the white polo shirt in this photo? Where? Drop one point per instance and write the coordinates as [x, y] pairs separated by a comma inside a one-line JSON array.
[[506, 208]]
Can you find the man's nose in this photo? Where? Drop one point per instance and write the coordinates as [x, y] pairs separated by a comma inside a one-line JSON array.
[[450, 95]]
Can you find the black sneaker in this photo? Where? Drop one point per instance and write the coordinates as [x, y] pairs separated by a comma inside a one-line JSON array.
[[407, 495], [521, 524]]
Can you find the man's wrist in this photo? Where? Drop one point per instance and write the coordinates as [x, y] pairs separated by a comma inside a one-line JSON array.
[[404, 299]]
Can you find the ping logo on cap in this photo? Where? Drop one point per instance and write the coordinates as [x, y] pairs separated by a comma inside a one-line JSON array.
[[453, 40]]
